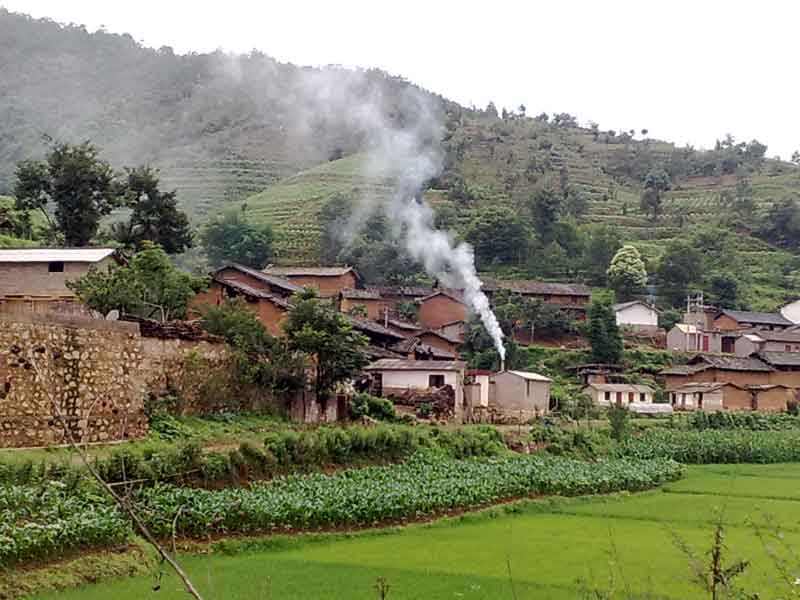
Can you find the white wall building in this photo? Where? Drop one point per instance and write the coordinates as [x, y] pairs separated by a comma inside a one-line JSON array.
[[636, 314], [792, 311]]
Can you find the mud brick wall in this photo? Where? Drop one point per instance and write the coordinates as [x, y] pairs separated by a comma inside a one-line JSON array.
[[89, 368]]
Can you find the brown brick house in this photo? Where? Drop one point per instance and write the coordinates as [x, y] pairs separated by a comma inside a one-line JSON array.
[[713, 368], [734, 320], [370, 299], [572, 297], [328, 281], [34, 279], [440, 308], [715, 396], [786, 367], [439, 341]]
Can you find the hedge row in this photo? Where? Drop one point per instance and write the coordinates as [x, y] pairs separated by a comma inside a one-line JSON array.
[[43, 522], [714, 446], [754, 421]]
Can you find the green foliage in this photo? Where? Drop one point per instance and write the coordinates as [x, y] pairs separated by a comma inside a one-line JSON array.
[[655, 184], [627, 275], [680, 268], [499, 237], [365, 405], [423, 485], [714, 446], [546, 211], [232, 238], [155, 216], [603, 244], [619, 419], [604, 335], [781, 225], [515, 311], [260, 358], [753, 421], [80, 186], [148, 286], [316, 329]]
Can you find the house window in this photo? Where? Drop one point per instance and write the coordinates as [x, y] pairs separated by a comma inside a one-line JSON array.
[[788, 347], [608, 396], [642, 397], [435, 381], [700, 400], [630, 397], [55, 267]]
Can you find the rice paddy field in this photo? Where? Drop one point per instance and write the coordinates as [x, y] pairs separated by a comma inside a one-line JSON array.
[[620, 546]]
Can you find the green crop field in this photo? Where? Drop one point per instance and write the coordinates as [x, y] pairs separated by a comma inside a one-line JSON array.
[[540, 549]]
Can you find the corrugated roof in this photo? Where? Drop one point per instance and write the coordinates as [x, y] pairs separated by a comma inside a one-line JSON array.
[[42, 255], [731, 363], [529, 286], [621, 387], [278, 282], [529, 376], [761, 318], [309, 271], [781, 359], [400, 364]]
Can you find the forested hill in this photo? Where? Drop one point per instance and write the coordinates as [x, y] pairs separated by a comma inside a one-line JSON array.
[[530, 191]]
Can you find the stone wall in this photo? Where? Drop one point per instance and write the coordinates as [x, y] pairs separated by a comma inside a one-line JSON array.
[[87, 369], [102, 375]]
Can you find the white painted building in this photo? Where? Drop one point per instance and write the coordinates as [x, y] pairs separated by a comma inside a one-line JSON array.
[[606, 394], [636, 315]]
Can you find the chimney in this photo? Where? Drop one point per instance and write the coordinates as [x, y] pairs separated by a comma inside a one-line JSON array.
[[502, 365]]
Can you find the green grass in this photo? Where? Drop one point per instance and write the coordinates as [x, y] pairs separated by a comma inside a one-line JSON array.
[[549, 545]]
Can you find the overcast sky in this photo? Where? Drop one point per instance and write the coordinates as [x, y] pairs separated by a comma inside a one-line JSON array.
[[689, 71]]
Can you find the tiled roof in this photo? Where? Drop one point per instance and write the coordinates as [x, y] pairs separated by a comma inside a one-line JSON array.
[[405, 346], [253, 292], [439, 334], [376, 353], [369, 294], [41, 255], [278, 282], [683, 369], [410, 291], [760, 318], [372, 327], [731, 363], [456, 295], [309, 271], [781, 359], [398, 364], [404, 325], [544, 288], [434, 352], [792, 336]]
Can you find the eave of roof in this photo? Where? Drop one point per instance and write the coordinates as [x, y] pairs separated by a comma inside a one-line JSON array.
[[278, 282], [67, 255]]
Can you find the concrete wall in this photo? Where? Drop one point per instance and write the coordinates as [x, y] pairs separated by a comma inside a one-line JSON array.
[[637, 315], [517, 397], [439, 310], [33, 279], [679, 341]]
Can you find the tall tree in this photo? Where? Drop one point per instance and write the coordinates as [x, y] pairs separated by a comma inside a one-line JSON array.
[[603, 243], [680, 267], [80, 185], [655, 184], [498, 236], [604, 336], [546, 211], [627, 274], [231, 238], [155, 215], [316, 329]]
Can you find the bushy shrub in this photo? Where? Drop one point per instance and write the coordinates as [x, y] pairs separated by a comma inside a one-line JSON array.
[[366, 405], [743, 420], [619, 419]]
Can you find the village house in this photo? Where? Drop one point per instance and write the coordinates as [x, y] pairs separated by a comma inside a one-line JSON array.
[[785, 365], [737, 320], [370, 299], [518, 396], [480, 378], [415, 348], [636, 315], [381, 339], [712, 368], [34, 279], [454, 330], [598, 372], [439, 340], [403, 378], [440, 308], [267, 296], [686, 337], [573, 298], [716, 396], [402, 327], [328, 281], [750, 342], [401, 294], [621, 394]]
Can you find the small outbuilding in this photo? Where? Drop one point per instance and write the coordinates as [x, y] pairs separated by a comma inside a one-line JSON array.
[[636, 315], [519, 395]]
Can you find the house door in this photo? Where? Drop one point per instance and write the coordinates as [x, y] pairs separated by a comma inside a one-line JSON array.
[[377, 384], [705, 343], [619, 398]]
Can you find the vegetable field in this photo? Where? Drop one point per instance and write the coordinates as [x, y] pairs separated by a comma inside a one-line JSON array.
[[553, 548]]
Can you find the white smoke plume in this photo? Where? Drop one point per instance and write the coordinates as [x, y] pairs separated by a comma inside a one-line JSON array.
[[406, 152]]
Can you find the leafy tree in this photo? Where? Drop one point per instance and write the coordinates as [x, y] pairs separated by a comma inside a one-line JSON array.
[[781, 226], [603, 243], [680, 267], [604, 335], [155, 215], [743, 201], [724, 290], [81, 187], [626, 273], [491, 110], [668, 318], [655, 184], [148, 286], [576, 203], [260, 358], [498, 236], [546, 211], [232, 238], [480, 352], [316, 329]]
